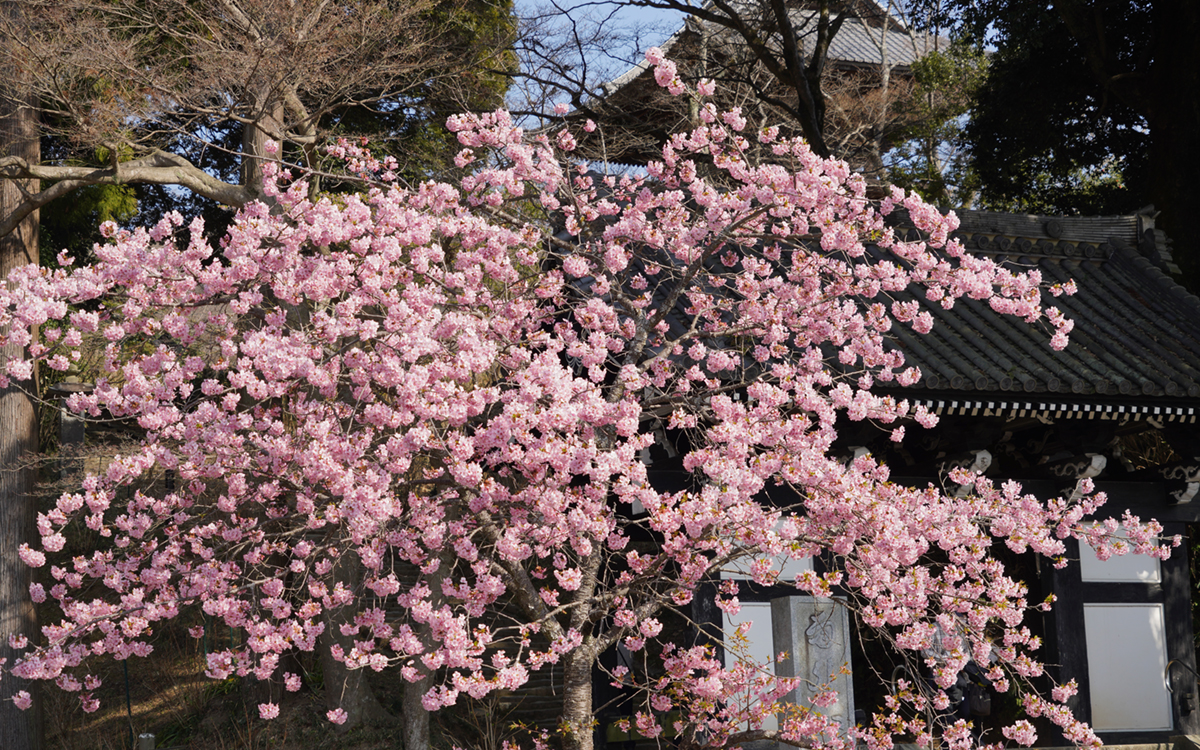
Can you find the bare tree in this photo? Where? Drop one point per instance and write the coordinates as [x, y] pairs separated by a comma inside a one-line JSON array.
[[793, 47], [130, 81], [837, 73]]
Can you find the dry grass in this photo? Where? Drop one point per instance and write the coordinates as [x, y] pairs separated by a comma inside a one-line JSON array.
[[165, 690], [170, 697]]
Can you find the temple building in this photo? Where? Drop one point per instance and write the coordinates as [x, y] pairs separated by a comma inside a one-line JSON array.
[[1118, 405]]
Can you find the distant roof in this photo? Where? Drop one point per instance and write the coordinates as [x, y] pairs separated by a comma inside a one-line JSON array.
[[637, 116], [1136, 334], [858, 42]]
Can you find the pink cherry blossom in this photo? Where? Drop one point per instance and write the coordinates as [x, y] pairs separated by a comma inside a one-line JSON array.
[[426, 379]]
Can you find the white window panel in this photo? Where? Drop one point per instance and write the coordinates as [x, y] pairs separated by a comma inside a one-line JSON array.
[[760, 648], [1127, 658], [788, 567], [1128, 568]]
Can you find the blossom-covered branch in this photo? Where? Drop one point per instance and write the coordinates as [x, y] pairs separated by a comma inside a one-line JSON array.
[[458, 407]]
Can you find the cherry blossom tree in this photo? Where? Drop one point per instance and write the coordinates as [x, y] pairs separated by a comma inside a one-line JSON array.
[[394, 414]]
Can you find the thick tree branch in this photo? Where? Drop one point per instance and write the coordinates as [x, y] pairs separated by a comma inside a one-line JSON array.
[[791, 71], [159, 168], [523, 589]]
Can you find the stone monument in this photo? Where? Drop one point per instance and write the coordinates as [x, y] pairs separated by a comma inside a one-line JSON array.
[[814, 634]]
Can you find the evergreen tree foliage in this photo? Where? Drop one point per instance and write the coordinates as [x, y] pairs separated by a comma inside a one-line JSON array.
[[1089, 107], [930, 155]]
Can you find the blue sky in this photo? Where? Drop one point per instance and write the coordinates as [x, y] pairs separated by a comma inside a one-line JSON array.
[[631, 30]]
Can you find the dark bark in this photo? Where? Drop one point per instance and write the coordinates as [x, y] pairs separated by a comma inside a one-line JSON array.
[[347, 688], [19, 730], [416, 718]]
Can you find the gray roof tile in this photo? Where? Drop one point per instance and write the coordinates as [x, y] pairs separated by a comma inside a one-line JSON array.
[[1136, 334]]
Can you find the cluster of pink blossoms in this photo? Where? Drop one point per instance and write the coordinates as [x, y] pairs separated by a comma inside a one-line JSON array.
[[458, 403]]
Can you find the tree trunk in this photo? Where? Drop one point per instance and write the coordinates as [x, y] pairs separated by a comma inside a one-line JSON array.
[[875, 166], [268, 127], [19, 730], [416, 718], [347, 688], [578, 721], [1174, 120]]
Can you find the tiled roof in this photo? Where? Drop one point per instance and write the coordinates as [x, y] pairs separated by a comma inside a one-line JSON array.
[[1134, 348], [1136, 334], [856, 42]]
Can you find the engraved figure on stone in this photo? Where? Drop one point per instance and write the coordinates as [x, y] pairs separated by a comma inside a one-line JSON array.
[[821, 635]]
